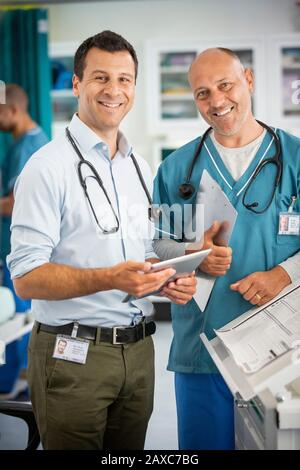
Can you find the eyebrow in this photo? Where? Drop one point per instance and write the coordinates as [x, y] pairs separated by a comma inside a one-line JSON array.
[[222, 79], [218, 81], [107, 73]]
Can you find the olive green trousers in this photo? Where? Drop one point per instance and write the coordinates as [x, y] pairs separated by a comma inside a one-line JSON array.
[[103, 404]]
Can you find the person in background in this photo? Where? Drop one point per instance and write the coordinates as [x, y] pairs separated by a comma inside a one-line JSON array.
[[28, 137], [260, 261]]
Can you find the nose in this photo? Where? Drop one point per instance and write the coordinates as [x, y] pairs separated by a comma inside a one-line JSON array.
[[112, 88], [217, 99]]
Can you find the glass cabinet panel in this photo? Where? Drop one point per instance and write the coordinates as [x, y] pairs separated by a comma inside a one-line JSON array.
[[176, 100], [64, 104], [290, 81]]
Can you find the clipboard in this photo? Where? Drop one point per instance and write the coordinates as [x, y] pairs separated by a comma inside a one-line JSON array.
[[216, 207]]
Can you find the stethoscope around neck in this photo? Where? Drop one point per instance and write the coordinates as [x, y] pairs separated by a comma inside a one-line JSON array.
[[187, 189], [96, 176]]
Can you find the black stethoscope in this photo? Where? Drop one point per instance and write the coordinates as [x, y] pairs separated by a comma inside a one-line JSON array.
[[96, 176], [187, 189]]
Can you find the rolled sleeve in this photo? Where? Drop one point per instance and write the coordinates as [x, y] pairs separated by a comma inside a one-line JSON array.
[[35, 228], [168, 249], [150, 253], [292, 266]]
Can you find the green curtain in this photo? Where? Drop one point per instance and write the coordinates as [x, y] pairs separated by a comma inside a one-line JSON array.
[[24, 60]]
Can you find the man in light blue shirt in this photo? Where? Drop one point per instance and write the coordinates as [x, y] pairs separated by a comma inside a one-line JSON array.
[[79, 243]]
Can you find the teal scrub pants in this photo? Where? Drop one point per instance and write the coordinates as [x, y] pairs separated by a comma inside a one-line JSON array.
[[204, 411]]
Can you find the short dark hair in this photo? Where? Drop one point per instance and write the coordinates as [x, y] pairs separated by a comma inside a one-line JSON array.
[[107, 41]]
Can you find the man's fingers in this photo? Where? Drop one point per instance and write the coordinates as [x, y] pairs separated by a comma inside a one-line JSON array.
[[257, 299], [241, 286], [263, 301], [159, 276], [222, 251], [235, 286], [218, 260], [250, 293], [174, 290], [176, 295], [135, 266], [181, 290], [186, 285], [145, 283], [186, 281]]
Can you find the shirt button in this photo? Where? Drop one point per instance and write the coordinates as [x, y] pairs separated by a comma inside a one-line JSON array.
[[104, 147]]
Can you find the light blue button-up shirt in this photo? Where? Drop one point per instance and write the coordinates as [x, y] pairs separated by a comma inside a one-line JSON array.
[[52, 222]]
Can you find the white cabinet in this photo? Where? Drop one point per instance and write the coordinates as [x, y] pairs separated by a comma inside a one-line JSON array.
[[284, 82], [64, 103], [170, 104]]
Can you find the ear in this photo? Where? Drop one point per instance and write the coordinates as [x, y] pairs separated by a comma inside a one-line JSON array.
[[249, 79], [14, 110], [76, 82], [13, 107]]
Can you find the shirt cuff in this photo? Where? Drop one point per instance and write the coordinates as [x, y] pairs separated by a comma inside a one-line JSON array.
[[292, 268]]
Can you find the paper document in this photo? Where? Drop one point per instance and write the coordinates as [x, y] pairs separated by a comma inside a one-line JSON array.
[[266, 334], [216, 207]]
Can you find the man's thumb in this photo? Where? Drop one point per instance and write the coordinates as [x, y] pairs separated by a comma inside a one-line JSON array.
[[234, 286], [213, 230]]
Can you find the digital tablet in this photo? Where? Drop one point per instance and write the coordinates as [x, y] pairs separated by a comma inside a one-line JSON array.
[[184, 266]]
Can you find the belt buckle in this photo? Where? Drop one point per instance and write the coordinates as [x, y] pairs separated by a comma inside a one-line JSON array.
[[115, 334]]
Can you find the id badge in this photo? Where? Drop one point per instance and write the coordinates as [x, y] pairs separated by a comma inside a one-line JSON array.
[[289, 223], [71, 349]]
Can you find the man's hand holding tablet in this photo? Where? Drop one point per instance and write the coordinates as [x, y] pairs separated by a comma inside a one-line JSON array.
[[176, 288]]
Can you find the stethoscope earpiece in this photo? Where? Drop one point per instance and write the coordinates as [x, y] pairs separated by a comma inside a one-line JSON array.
[[186, 190]]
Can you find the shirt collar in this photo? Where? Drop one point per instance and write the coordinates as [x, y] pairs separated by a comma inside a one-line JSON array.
[[88, 139], [124, 146]]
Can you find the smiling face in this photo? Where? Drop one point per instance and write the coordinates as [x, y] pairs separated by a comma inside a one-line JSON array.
[[222, 91], [61, 346], [106, 91]]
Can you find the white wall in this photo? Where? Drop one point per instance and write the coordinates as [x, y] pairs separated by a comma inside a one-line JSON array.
[[139, 21]]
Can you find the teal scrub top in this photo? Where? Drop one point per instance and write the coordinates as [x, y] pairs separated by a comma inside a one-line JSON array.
[[16, 157], [255, 242]]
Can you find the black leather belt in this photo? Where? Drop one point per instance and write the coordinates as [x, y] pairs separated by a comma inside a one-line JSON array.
[[115, 335]]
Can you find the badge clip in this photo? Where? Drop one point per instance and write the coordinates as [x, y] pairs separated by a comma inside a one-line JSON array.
[[75, 330], [291, 207]]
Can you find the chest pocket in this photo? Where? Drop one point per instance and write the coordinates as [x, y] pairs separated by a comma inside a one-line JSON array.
[[283, 202]]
